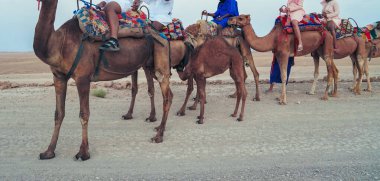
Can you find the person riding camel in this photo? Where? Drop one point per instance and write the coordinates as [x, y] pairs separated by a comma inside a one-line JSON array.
[[331, 12], [296, 12], [226, 9], [160, 12], [111, 9]]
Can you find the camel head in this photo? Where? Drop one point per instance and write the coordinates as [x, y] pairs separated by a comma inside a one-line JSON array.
[[240, 21]]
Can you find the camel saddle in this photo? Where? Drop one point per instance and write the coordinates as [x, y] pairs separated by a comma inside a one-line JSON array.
[[310, 22], [370, 32], [344, 30], [93, 23], [209, 28]]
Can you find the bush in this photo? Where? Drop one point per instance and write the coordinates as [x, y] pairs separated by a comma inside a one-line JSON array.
[[99, 93]]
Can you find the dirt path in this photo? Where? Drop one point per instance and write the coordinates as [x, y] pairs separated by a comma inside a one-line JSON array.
[[313, 140]]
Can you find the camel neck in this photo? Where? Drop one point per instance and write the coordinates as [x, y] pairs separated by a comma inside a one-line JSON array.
[[45, 29], [260, 44]]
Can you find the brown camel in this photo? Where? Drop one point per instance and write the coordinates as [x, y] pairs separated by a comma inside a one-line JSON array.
[[179, 51], [214, 57], [350, 46], [372, 51], [282, 45], [57, 48]]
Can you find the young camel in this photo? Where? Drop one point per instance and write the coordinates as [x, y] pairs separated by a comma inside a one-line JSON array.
[[282, 45], [214, 57], [180, 51], [351, 46], [58, 49]]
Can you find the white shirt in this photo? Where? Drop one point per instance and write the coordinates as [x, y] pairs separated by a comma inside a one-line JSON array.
[[160, 10], [124, 4]]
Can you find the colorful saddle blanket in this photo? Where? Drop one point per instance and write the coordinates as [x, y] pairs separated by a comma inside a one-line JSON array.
[[93, 23], [207, 28], [310, 22], [174, 30], [345, 30], [370, 32]]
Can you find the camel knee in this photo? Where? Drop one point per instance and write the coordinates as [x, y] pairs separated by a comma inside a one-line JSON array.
[[84, 117]]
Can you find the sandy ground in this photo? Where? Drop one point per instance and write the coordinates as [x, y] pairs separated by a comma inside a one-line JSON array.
[[308, 139]]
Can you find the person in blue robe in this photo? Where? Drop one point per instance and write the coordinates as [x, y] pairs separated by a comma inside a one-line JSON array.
[[226, 9], [275, 73]]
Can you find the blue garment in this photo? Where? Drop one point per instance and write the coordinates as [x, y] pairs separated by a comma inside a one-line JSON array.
[[227, 7], [275, 73]]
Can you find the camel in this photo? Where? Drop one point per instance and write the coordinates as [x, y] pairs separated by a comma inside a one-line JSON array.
[[372, 51], [350, 46], [179, 51], [282, 45], [214, 57], [57, 48]]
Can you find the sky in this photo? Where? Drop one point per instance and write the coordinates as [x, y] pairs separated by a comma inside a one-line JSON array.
[[17, 28]]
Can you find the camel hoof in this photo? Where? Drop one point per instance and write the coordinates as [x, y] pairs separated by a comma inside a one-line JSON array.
[[282, 103], [324, 98], [239, 119], [367, 90], [233, 115], [47, 155], [127, 117], [151, 119], [256, 99], [334, 95], [200, 121], [82, 156], [181, 113], [310, 93], [157, 139], [232, 96], [192, 108]]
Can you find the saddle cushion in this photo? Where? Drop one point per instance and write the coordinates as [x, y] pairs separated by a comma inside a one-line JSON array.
[[93, 23], [207, 28], [174, 30], [370, 32], [310, 22]]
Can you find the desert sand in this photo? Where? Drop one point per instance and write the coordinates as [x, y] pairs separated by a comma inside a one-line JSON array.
[[308, 139]]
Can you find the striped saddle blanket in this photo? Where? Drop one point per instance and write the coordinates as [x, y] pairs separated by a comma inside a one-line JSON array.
[[93, 23], [370, 32], [310, 22], [345, 30]]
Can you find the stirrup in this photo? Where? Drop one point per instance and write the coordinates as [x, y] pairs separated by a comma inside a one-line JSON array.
[[110, 45]]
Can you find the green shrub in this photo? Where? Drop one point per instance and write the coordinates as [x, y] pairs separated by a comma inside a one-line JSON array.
[[99, 93]]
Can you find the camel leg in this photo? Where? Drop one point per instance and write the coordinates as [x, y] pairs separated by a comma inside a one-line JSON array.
[[196, 101], [234, 95], [316, 73], [283, 63], [359, 66], [167, 101], [246, 51], [366, 72], [355, 73], [190, 88], [149, 78], [201, 87], [244, 98], [135, 88], [234, 76], [60, 85], [335, 76], [329, 67], [83, 86]]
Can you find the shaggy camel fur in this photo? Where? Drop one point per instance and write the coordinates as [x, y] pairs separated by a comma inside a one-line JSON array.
[[351, 46], [59, 48], [282, 45], [180, 51], [214, 57]]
